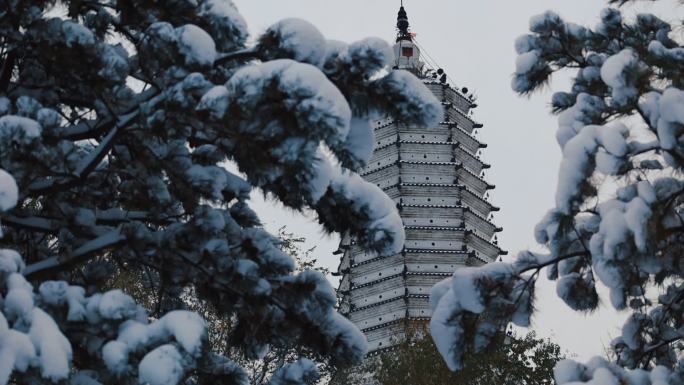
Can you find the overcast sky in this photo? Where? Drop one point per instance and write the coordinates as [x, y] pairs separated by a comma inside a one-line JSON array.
[[473, 42]]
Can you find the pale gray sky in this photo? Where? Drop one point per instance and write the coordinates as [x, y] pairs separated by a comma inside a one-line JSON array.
[[473, 42]]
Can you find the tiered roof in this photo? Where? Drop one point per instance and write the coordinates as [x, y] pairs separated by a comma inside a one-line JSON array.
[[434, 174]]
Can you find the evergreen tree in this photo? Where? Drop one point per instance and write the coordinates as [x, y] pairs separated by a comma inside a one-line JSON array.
[[116, 118], [619, 202], [526, 360]]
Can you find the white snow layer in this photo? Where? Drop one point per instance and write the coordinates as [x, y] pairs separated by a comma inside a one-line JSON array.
[[161, 366], [300, 39], [613, 73], [360, 140], [424, 103], [598, 371], [187, 328], [77, 34], [9, 192], [196, 45], [215, 101], [455, 295], [369, 198], [313, 99], [302, 371], [671, 118], [571, 121], [367, 56], [526, 61], [578, 154], [18, 128]]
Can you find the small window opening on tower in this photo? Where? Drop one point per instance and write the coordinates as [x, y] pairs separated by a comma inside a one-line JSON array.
[[407, 51]]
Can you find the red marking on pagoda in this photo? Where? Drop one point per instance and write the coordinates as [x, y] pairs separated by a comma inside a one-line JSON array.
[[434, 174]]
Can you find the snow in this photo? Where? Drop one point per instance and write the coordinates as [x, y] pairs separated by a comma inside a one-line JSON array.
[[115, 63], [115, 305], [671, 118], [463, 295], [646, 192], [385, 222], [525, 43], [52, 347], [85, 377], [5, 105], [360, 140], [613, 73], [228, 26], [544, 22], [187, 328], [575, 166], [325, 102], [211, 179], [637, 215], [613, 229], [323, 171], [649, 104], [215, 101], [567, 371], [10, 262], [161, 366], [334, 51], [526, 61], [350, 339], [57, 293], [16, 352], [300, 372], [438, 290], [598, 371], [299, 40], [196, 45], [115, 356], [657, 49], [53, 292], [18, 128], [607, 163], [18, 302], [368, 56], [445, 333], [314, 100], [48, 118], [612, 137], [413, 101], [76, 34], [611, 19], [571, 121], [9, 192], [631, 330]]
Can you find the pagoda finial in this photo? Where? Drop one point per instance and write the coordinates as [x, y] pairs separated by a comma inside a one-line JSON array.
[[402, 24]]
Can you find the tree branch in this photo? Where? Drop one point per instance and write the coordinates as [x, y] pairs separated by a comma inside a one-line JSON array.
[[244, 54], [92, 247], [90, 161], [31, 223], [7, 69]]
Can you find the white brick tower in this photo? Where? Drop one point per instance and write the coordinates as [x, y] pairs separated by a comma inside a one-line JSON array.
[[434, 176]]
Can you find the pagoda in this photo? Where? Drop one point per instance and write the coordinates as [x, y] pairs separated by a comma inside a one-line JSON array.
[[434, 174]]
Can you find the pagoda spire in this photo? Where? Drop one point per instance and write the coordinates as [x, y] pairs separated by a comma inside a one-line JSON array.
[[402, 25]]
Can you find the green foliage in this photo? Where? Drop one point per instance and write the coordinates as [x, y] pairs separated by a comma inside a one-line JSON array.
[[525, 360]]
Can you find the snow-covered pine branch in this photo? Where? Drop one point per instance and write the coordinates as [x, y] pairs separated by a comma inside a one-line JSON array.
[[621, 132], [115, 123]]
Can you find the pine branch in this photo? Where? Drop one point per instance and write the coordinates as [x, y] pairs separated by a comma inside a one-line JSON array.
[[56, 264], [7, 69], [245, 54], [32, 223], [90, 161]]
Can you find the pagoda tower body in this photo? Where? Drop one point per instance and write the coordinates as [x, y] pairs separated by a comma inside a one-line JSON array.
[[434, 176]]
